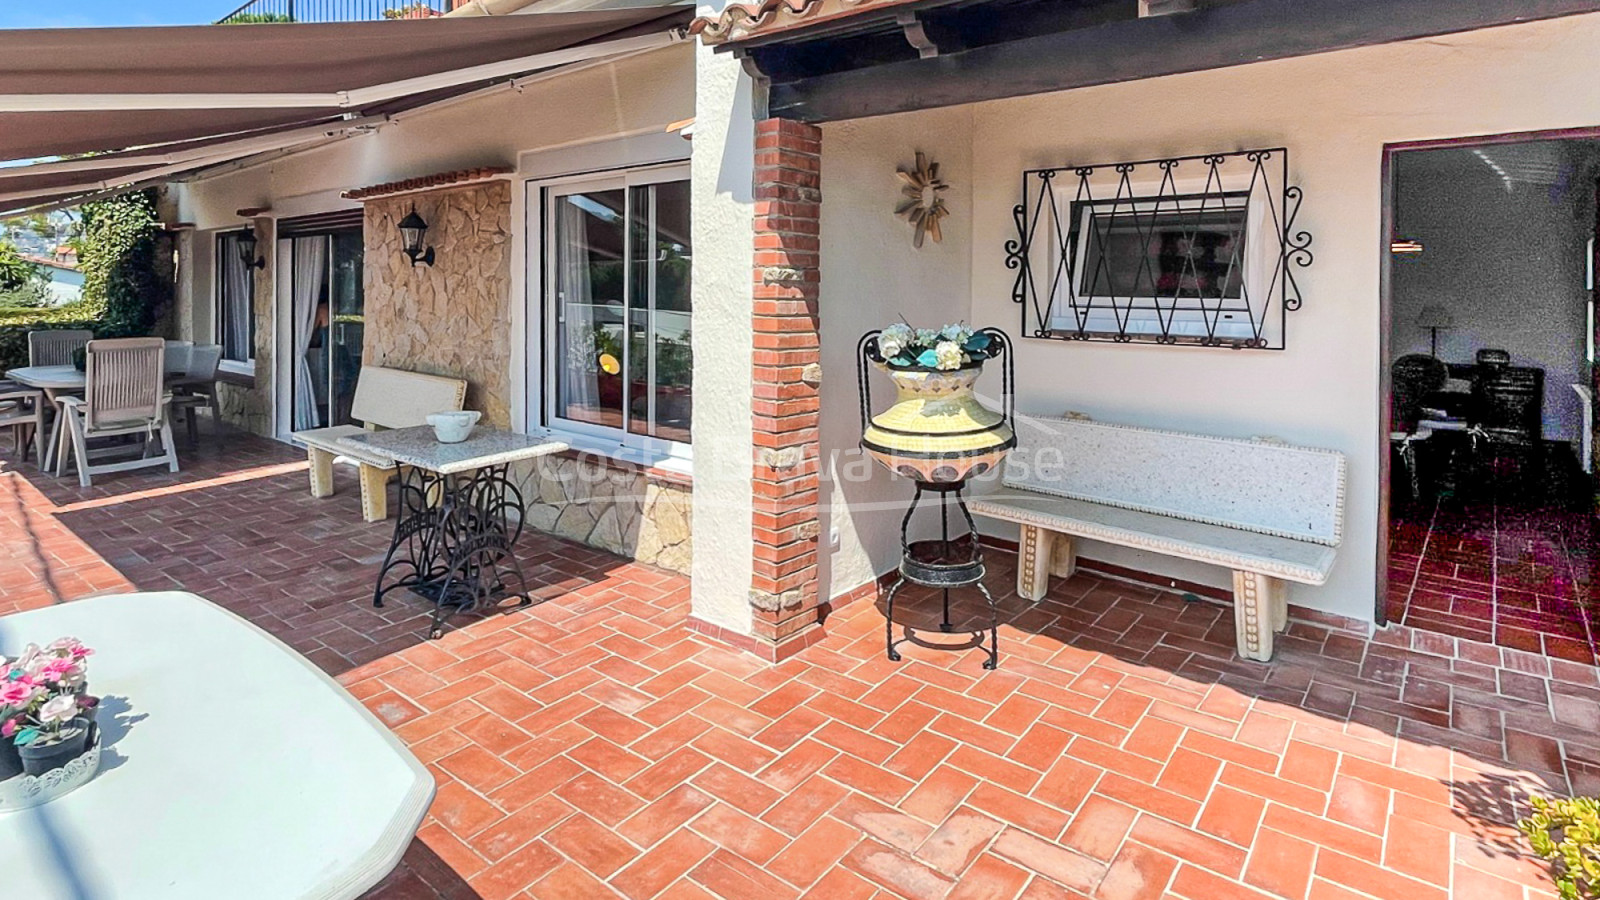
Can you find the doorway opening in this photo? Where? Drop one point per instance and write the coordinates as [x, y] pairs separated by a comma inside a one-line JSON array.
[[324, 306], [1489, 383]]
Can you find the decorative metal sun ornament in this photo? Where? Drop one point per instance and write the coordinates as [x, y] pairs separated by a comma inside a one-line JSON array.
[[922, 206]]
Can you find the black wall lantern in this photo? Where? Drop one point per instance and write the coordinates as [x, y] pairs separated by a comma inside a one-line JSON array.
[[247, 249], [412, 231]]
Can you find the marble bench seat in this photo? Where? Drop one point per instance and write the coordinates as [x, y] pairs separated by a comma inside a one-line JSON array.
[[1269, 512], [384, 399]]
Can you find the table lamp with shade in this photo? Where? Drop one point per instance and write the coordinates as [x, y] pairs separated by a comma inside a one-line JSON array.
[[1434, 318]]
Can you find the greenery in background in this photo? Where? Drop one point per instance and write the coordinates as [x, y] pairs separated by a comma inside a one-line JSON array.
[[411, 11], [258, 19], [1567, 833], [15, 271], [32, 295], [124, 290], [117, 246]]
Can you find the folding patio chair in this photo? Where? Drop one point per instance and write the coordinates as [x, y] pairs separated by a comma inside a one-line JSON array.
[[123, 395], [54, 347], [197, 387], [22, 409]]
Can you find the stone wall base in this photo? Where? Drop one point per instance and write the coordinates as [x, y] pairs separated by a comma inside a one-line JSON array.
[[245, 407], [625, 509]]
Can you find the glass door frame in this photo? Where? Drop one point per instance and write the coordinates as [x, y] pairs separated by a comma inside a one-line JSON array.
[[283, 270], [543, 375]]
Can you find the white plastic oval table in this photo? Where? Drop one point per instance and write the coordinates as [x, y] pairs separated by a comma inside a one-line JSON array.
[[231, 766]]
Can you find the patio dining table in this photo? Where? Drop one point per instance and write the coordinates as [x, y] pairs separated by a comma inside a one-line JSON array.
[[230, 766], [454, 530], [62, 380]]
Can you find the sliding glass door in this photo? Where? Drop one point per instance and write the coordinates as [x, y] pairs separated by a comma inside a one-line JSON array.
[[616, 261], [325, 312]]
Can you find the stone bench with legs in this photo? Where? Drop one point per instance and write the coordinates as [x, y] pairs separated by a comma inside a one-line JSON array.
[[1270, 512], [385, 398]]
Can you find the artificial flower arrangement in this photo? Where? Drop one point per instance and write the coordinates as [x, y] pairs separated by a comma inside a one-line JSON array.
[[46, 713], [946, 349]]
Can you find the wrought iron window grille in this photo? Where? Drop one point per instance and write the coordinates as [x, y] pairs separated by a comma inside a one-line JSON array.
[[1190, 250]]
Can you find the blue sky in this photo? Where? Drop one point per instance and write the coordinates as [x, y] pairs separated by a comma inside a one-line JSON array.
[[87, 13]]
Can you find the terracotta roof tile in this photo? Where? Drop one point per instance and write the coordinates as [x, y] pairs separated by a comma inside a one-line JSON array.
[[741, 21], [426, 182]]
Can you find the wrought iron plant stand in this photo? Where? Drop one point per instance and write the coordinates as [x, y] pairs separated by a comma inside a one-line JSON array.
[[938, 435], [452, 540]]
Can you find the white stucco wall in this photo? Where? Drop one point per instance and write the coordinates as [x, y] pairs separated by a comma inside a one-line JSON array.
[[1334, 112], [873, 276], [722, 226]]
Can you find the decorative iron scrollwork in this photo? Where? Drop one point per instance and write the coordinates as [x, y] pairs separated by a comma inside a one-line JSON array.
[[1190, 250]]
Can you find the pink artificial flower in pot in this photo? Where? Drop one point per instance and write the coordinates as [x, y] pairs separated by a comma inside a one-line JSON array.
[[10, 758], [55, 733], [63, 672], [19, 694], [67, 648]]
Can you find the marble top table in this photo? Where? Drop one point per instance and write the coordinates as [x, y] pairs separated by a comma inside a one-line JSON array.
[[484, 448], [230, 766], [460, 515]]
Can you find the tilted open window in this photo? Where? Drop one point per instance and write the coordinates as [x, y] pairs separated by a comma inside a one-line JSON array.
[[1195, 250]]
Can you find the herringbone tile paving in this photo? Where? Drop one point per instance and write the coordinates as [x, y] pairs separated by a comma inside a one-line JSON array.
[[591, 746]]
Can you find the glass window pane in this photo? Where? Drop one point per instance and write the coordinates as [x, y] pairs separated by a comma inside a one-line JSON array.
[[639, 313], [235, 321], [672, 357], [588, 273], [348, 322]]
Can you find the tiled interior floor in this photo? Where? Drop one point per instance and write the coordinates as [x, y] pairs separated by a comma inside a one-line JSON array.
[[592, 746], [1507, 571]]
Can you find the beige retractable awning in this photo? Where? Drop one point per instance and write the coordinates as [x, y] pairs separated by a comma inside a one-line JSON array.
[[154, 102]]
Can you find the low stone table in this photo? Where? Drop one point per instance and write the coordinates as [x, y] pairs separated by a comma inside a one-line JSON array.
[[454, 532]]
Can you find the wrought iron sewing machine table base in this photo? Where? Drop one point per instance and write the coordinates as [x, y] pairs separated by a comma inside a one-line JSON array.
[[454, 533], [453, 541], [945, 564]]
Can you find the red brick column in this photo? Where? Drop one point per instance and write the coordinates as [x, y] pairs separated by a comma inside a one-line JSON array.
[[788, 204]]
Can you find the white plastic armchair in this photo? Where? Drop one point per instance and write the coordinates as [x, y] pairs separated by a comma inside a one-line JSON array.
[[54, 347], [197, 387], [22, 410], [123, 394]]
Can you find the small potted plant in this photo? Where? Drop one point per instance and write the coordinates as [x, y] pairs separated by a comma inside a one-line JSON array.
[[15, 695], [46, 712], [1566, 833]]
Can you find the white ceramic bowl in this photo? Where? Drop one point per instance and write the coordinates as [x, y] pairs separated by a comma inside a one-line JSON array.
[[453, 427]]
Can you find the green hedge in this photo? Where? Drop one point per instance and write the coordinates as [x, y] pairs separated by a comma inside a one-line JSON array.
[[126, 288], [16, 323]]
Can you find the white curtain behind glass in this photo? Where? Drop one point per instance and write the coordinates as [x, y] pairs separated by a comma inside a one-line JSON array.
[[575, 296], [236, 304], [310, 277]]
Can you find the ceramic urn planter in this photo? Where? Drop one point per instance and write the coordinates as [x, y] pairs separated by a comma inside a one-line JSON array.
[[937, 431]]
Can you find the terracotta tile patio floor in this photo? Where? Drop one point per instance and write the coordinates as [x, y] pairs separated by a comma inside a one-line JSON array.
[[592, 746]]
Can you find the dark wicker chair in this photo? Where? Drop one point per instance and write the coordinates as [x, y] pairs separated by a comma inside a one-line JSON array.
[[1413, 378], [1509, 403]]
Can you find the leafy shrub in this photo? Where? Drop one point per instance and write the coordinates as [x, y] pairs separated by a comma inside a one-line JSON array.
[[16, 272], [117, 253], [33, 295], [124, 289], [1567, 833], [16, 323], [257, 19]]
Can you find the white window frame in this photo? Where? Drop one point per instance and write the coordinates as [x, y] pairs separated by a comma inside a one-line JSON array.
[[218, 276], [542, 373]]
